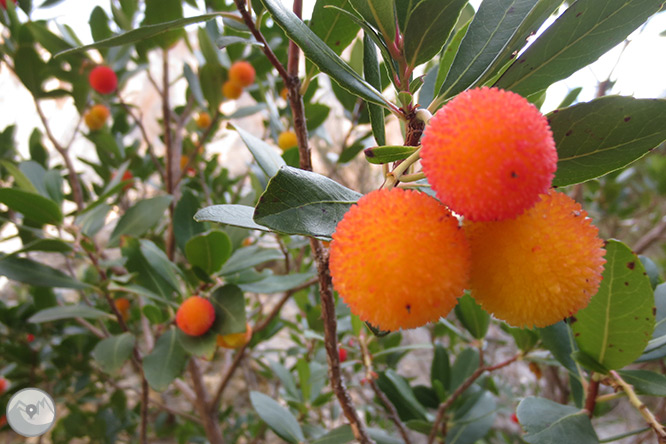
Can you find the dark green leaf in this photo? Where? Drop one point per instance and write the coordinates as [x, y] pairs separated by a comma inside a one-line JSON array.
[[401, 395], [603, 135], [548, 422], [589, 362], [249, 257], [278, 418], [140, 218], [656, 347], [332, 26], [302, 202], [143, 32], [94, 220], [428, 27], [30, 69], [20, 178], [203, 346], [558, 339], [372, 76], [645, 382], [159, 262], [211, 76], [615, 327], [266, 155], [441, 368], [525, 338], [208, 251], [229, 303], [34, 273], [321, 55], [99, 24], [235, 215], [387, 154], [339, 435], [380, 14], [350, 152], [47, 245], [585, 31], [112, 352], [67, 312], [287, 380], [474, 318], [147, 274], [185, 227], [466, 363], [475, 423], [195, 85], [33, 206], [277, 283], [165, 362]]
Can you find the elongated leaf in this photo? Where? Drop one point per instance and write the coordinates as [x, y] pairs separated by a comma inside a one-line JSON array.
[[33, 206], [111, 353], [474, 318], [143, 33], [321, 55], [302, 202], [603, 135], [443, 70], [34, 273], [657, 346], [401, 395], [548, 422], [67, 312], [165, 362], [332, 26], [428, 26], [147, 274], [558, 338], [140, 218], [380, 14], [585, 31], [278, 418], [645, 382], [277, 284], [159, 262], [618, 322], [266, 155], [249, 257], [185, 227], [339, 435], [229, 303], [387, 154], [491, 30], [209, 251], [476, 422], [48, 245], [440, 370], [20, 179], [235, 215]]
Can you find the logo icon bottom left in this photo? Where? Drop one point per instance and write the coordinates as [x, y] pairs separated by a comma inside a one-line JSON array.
[[31, 412]]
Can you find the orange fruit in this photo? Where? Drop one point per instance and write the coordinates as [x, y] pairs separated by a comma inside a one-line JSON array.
[[235, 340], [399, 259], [195, 316], [538, 268], [231, 90], [287, 139], [242, 73], [96, 117], [488, 154], [203, 120], [123, 306]]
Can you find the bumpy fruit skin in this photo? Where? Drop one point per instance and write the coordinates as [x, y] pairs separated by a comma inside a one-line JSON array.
[[242, 73], [203, 120], [195, 316], [96, 117], [103, 79], [231, 90], [399, 259], [287, 139], [488, 154], [538, 268], [235, 340]]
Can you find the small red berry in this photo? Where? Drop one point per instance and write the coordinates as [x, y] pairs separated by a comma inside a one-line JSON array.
[[30, 337], [342, 354], [3, 385], [103, 79], [514, 418]]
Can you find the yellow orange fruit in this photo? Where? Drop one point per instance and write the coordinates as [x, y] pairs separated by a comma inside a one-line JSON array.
[[232, 90], [203, 120], [287, 139], [96, 117], [488, 154], [123, 306], [538, 268], [235, 340], [399, 259], [284, 93], [195, 316], [242, 73]]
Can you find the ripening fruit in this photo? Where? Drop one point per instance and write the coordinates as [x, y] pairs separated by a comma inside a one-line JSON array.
[[538, 268], [284, 93], [231, 90], [203, 120], [103, 79], [195, 316], [399, 259], [235, 340], [488, 154], [30, 337], [342, 354], [96, 117], [287, 139], [242, 73], [3, 385], [123, 306]]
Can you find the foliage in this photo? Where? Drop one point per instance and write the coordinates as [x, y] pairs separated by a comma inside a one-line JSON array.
[[151, 207]]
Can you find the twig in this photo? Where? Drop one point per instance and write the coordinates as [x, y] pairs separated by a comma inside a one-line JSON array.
[[238, 357], [650, 237], [638, 404], [591, 395], [208, 417], [144, 411]]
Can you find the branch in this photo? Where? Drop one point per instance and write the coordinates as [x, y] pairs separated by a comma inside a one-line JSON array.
[[208, 417], [650, 237], [591, 395]]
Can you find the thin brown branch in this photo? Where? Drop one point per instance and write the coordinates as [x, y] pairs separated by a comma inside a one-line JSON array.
[[656, 233], [209, 418], [591, 395], [144, 411], [238, 357]]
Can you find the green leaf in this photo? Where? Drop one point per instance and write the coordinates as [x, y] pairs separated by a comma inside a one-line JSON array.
[[380, 14], [99, 24], [143, 32], [655, 348], [211, 76], [235, 215], [466, 363], [47, 245], [278, 418], [140, 218], [443, 70], [645, 382], [302, 202], [112, 352], [332, 26], [474, 318], [203, 346], [389, 153], [585, 31], [277, 283], [185, 227], [372, 76], [321, 55], [401, 395], [287, 380], [20, 179], [266, 155], [558, 339], [525, 338], [30, 69], [208, 251], [428, 26], [67, 312], [148, 273], [249, 257], [604, 135], [36, 274], [159, 262], [229, 303], [195, 85], [548, 422], [615, 327], [165, 362], [339, 435], [490, 36], [33, 206], [589, 362], [317, 114], [476, 422], [440, 369]]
